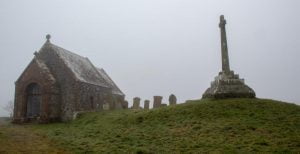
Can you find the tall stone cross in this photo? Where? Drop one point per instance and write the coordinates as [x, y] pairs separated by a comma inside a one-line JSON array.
[[225, 58]]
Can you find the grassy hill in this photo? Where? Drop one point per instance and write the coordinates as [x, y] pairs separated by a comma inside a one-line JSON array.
[[231, 125]]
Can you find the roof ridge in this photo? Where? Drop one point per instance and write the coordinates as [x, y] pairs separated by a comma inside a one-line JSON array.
[[114, 85], [44, 68], [70, 52], [39, 63], [81, 67], [96, 70]]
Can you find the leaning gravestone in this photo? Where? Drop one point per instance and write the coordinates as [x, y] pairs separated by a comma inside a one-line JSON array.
[[136, 103], [157, 101], [227, 84], [146, 104], [172, 99]]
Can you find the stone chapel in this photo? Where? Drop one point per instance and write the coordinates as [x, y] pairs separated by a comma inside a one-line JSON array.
[[58, 83]]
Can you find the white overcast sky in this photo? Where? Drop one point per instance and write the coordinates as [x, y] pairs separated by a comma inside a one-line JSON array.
[[159, 47]]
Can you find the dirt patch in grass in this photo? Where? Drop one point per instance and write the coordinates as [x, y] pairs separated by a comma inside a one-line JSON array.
[[19, 139]]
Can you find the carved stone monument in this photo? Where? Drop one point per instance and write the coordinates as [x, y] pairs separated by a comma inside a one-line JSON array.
[[136, 103], [146, 104], [157, 101], [227, 84], [172, 99]]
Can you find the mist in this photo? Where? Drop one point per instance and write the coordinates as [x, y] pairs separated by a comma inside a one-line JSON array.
[[159, 47]]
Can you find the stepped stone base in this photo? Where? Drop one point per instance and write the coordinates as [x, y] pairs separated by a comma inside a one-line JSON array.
[[228, 85]]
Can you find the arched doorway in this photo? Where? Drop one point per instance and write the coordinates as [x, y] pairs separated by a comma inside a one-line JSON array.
[[33, 95]]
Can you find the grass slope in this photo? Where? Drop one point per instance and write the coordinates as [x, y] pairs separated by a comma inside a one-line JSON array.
[[231, 125], [15, 139]]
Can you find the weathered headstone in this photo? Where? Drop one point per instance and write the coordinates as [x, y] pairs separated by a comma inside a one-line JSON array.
[[146, 104], [227, 84], [172, 99], [136, 103], [157, 101]]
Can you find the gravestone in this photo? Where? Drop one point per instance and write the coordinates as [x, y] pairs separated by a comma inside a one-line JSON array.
[[157, 101], [146, 104], [136, 103], [172, 99], [227, 84]]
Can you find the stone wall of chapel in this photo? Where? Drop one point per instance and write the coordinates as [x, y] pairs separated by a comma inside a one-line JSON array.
[[49, 94], [65, 79]]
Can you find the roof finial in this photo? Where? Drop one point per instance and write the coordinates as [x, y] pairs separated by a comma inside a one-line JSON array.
[[48, 36], [35, 53], [222, 17]]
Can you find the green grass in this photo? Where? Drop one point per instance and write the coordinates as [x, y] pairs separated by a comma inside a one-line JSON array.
[[230, 125]]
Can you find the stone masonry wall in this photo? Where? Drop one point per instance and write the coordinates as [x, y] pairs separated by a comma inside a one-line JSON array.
[[65, 79], [49, 109], [92, 97]]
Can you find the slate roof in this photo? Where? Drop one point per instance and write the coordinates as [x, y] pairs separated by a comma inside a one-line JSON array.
[[115, 88], [84, 70]]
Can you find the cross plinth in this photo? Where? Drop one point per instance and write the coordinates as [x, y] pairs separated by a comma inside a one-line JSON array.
[[227, 84]]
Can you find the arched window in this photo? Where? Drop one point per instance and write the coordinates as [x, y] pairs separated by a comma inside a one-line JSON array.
[[33, 95]]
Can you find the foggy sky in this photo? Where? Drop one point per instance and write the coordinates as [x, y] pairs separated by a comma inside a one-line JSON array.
[[159, 47]]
